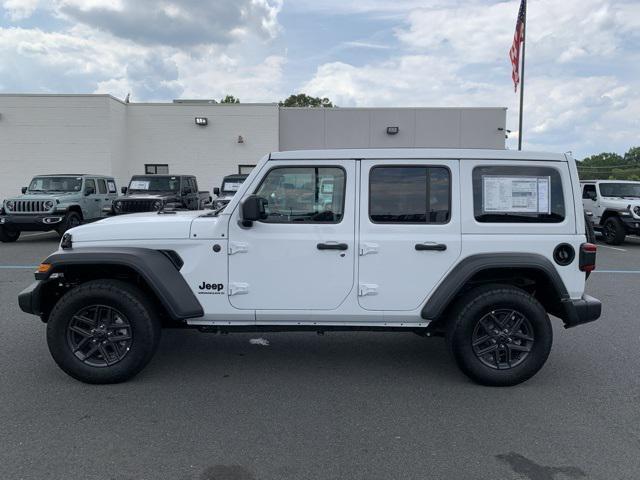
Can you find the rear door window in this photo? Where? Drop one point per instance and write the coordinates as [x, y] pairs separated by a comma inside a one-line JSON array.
[[409, 194], [102, 186]]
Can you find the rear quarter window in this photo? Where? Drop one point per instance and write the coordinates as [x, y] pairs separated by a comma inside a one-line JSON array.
[[517, 194]]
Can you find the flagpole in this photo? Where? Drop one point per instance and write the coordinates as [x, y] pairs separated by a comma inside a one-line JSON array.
[[524, 45]]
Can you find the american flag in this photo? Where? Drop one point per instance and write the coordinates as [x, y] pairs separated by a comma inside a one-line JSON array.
[[518, 37]]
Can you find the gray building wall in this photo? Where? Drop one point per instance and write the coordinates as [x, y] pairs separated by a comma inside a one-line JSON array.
[[99, 134], [302, 128]]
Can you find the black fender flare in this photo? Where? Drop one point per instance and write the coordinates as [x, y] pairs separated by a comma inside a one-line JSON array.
[[156, 268], [458, 277]]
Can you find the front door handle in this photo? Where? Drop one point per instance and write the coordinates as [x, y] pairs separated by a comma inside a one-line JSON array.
[[439, 247], [332, 246]]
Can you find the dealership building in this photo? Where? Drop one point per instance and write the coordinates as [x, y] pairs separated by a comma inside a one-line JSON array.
[[99, 134]]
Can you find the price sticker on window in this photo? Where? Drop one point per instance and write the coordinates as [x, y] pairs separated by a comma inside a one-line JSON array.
[[516, 194]]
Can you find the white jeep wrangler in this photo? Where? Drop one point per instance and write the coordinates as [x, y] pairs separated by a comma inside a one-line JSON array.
[[614, 207], [478, 246]]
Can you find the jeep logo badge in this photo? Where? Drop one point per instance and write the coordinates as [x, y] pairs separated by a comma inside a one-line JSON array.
[[210, 288]]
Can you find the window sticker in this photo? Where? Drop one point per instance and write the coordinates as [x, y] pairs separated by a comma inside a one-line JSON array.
[[516, 194], [231, 186], [139, 185]]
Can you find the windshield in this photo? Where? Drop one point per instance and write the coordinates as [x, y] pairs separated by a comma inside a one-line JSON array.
[[620, 190], [56, 184], [154, 183]]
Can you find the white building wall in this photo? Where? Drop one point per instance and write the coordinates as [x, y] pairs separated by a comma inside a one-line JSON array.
[[99, 134], [167, 133], [52, 134]]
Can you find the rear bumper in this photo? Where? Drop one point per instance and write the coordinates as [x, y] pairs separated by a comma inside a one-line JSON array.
[[29, 298], [41, 222], [584, 310]]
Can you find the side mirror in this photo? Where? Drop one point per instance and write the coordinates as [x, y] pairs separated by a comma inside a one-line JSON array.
[[593, 196], [89, 191], [24, 189], [252, 208], [124, 190], [216, 191]]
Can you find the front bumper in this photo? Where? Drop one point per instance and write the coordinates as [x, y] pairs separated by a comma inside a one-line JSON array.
[[584, 310], [37, 222], [29, 298], [631, 224]]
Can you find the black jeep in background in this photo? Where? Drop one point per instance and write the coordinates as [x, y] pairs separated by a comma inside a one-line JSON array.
[[152, 193]]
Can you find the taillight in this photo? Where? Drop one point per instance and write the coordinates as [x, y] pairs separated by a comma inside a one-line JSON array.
[[588, 257]]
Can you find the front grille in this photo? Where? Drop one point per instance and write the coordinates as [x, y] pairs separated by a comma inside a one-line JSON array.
[[130, 206], [29, 206]]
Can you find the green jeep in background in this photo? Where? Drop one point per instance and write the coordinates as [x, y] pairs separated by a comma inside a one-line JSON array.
[[56, 202]]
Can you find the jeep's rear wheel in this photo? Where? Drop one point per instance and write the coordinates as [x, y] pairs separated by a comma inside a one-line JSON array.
[[613, 231], [103, 331], [8, 235], [70, 220], [499, 335]]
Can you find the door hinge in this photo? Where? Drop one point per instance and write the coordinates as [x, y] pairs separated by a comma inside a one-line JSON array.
[[367, 248], [367, 289], [238, 247], [238, 288]]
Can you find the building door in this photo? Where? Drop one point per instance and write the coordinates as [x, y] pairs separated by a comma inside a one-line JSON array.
[[409, 230], [301, 257]]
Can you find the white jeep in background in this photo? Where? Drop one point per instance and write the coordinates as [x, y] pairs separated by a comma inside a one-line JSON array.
[[614, 206], [478, 246]]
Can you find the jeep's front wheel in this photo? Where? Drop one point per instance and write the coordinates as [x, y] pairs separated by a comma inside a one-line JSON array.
[[70, 220], [8, 235], [103, 331], [613, 231], [499, 335]]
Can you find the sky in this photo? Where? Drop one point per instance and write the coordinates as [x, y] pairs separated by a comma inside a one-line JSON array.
[[582, 91]]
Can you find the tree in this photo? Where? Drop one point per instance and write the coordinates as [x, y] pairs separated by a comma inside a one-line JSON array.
[[230, 99], [611, 166], [304, 100]]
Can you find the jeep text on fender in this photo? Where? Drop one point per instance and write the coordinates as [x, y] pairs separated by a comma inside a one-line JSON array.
[[478, 246]]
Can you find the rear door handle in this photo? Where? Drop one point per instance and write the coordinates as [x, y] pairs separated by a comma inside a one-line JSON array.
[[439, 247], [332, 246]]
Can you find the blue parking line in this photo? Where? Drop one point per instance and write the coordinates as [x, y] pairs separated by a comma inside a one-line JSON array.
[[616, 271]]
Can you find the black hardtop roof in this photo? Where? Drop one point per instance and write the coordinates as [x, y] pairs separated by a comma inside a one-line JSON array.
[[236, 175]]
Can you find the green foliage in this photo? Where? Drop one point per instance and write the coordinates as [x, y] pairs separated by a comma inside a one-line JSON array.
[[230, 99], [611, 166], [304, 100]]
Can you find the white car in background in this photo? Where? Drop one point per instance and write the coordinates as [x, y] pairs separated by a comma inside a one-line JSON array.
[[614, 207]]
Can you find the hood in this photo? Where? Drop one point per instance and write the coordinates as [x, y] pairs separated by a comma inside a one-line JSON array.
[[43, 196], [621, 202], [138, 226], [147, 196]]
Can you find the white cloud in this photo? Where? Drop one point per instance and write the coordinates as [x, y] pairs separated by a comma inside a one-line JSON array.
[[16, 10]]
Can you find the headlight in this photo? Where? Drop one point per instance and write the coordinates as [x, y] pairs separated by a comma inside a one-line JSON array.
[[636, 210], [10, 205], [117, 206], [157, 205], [48, 205]]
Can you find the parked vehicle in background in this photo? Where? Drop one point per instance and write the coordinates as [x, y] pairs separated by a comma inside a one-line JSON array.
[[478, 246], [614, 206], [229, 187], [56, 202], [152, 193]]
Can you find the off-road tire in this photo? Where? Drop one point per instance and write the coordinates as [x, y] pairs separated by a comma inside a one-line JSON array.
[[8, 235], [613, 231], [472, 307], [70, 220], [121, 296]]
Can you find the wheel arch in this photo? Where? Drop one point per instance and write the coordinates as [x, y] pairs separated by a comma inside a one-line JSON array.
[[607, 214], [531, 272], [156, 272], [76, 209]]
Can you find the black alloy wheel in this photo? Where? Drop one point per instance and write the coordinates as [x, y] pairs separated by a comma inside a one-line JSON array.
[[99, 335], [502, 339]]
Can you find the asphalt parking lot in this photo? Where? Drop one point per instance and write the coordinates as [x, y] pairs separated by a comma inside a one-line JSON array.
[[338, 406]]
